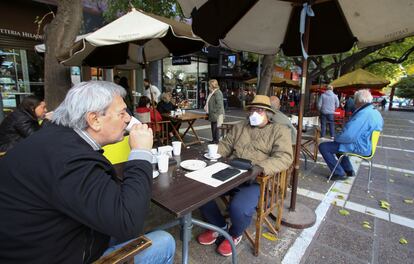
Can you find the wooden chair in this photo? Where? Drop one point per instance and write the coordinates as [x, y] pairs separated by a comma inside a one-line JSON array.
[[126, 253], [272, 195], [161, 132]]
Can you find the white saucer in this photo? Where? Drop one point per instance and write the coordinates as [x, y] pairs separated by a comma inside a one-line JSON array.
[[155, 174], [193, 165], [212, 158]]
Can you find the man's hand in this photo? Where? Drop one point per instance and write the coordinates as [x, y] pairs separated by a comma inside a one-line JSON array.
[[140, 137]]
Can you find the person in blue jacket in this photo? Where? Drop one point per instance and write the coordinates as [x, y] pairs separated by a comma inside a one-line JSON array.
[[355, 137]]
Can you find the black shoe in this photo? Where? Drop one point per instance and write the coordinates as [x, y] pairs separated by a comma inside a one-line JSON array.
[[338, 177], [350, 173]]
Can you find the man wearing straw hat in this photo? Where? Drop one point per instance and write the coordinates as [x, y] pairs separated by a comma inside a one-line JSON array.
[[265, 144]]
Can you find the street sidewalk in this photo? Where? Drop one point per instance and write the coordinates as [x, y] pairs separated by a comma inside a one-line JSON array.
[[336, 238]]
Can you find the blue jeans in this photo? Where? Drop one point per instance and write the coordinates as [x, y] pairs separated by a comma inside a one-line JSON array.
[[243, 205], [330, 119], [161, 251], [329, 152]]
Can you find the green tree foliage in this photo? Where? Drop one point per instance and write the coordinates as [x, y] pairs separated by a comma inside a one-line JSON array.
[[390, 60], [165, 8], [405, 87]]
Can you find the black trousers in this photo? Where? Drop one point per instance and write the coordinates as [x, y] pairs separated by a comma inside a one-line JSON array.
[[215, 132]]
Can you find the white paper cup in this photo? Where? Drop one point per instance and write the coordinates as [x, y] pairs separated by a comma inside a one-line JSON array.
[[176, 148], [162, 163], [131, 123], [212, 150], [172, 113]]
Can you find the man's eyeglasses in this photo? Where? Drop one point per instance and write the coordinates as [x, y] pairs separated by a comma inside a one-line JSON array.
[[258, 110]]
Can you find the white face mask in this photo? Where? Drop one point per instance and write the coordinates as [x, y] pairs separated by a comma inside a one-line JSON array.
[[256, 119]]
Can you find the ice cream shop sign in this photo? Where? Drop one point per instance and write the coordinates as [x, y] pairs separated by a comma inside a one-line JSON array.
[[20, 34]]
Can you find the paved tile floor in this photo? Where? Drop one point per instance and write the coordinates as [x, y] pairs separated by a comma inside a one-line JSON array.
[[338, 238]]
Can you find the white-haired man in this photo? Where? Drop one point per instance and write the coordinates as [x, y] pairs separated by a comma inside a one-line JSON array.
[[61, 196], [355, 137]]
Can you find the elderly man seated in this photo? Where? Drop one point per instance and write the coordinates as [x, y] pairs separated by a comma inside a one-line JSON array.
[[281, 118], [355, 136], [266, 144], [60, 199]]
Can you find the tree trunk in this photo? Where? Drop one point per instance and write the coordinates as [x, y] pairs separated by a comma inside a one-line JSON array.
[[391, 98], [266, 74], [59, 36]]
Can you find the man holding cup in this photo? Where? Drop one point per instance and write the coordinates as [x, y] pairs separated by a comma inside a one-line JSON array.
[[58, 190], [265, 144]]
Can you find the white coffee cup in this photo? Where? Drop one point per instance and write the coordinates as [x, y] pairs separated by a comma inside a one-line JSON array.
[[176, 148], [131, 123], [163, 163], [172, 113], [212, 150]]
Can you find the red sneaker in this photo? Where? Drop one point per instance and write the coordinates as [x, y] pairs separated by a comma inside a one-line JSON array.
[[225, 248], [208, 237]]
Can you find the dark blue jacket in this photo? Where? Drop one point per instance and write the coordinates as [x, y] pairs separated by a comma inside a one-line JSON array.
[[356, 135], [60, 200]]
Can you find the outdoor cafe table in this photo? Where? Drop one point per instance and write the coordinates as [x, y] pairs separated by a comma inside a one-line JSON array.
[[190, 118], [180, 196]]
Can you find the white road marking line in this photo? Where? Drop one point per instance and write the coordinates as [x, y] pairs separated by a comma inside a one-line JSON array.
[[391, 136], [298, 249]]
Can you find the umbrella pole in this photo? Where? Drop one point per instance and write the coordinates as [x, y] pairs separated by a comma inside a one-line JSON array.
[[298, 215]]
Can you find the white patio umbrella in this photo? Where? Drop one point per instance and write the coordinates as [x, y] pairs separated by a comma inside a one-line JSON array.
[[136, 37], [299, 28]]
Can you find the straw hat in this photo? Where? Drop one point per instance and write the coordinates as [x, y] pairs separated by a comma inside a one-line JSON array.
[[261, 101]]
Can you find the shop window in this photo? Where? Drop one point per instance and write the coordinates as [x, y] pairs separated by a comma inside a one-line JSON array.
[[21, 74], [186, 82]]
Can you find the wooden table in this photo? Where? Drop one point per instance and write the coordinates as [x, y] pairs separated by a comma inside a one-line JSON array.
[[190, 118], [180, 196]]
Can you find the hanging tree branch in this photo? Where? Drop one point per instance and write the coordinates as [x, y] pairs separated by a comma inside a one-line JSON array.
[[391, 60]]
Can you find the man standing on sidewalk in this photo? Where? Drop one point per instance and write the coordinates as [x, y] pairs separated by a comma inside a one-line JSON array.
[[355, 137], [327, 104]]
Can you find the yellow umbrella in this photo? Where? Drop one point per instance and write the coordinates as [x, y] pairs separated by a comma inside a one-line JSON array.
[[360, 79], [278, 82]]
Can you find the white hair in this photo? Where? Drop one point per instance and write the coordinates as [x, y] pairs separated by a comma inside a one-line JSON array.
[[85, 97], [363, 96]]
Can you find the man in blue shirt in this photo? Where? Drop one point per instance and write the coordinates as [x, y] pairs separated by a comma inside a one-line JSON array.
[[355, 137]]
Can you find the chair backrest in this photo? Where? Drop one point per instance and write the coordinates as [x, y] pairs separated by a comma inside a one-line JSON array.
[[374, 142], [161, 131], [143, 117], [118, 152]]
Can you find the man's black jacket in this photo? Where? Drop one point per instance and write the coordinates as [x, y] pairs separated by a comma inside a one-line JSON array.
[[60, 202]]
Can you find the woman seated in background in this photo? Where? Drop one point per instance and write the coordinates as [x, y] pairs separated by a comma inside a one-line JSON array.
[[145, 112], [165, 106], [22, 122]]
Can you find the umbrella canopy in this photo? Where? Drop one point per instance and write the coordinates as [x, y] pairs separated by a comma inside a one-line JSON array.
[[131, 39], [360, 79], [278, 82], [264, 26], [299, 29]]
